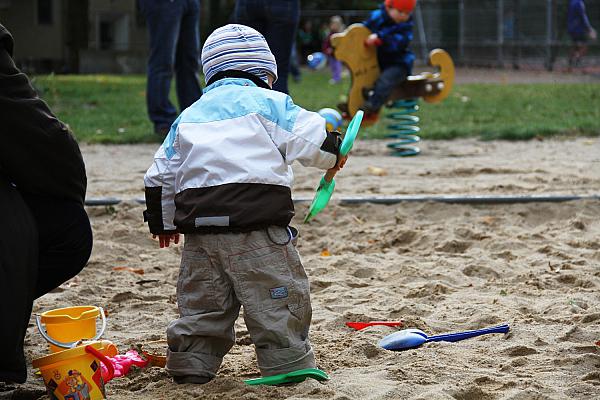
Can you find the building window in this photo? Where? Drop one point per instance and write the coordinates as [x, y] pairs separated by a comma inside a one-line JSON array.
[[112, 31], [45, 15], [107, 35]]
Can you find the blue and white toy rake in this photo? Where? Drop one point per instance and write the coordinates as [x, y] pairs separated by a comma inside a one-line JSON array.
[[411, 338]]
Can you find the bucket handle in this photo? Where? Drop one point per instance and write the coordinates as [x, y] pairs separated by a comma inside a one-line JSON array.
[[109, 366], [69, 345]]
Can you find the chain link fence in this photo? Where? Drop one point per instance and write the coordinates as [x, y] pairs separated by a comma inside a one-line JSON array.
[[527, 34]]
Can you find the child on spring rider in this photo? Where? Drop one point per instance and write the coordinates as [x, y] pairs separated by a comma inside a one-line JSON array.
[[392, 26]]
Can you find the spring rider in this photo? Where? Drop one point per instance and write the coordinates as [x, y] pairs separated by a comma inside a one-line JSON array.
[[364, 70]]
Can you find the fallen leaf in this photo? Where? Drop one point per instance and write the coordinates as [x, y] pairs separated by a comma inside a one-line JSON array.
[[376, 171], [488, 220], [325, 253], [138, 271]]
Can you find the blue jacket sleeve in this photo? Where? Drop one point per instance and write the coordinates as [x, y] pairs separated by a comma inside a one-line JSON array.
[[372, 21], [584, 17]]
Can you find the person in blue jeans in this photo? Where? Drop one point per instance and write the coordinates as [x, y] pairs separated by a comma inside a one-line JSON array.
[[173, 27], [391, 26], [278, 22]]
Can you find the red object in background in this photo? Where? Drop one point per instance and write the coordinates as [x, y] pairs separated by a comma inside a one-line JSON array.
[[362, 325], [402, 5]]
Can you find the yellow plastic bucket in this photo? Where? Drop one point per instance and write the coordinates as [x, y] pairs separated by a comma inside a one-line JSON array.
[[64, 327], [75, 374]]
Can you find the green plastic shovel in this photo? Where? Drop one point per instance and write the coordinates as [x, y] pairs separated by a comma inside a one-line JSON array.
[[290, 377], [327, 184]]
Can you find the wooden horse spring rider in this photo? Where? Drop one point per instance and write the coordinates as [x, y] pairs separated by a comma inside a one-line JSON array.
[[364, 69]]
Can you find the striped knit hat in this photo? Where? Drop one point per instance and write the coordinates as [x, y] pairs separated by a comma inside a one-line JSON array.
[[237, 47]]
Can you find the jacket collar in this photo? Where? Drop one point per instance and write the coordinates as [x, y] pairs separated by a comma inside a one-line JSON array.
[[231, 73]]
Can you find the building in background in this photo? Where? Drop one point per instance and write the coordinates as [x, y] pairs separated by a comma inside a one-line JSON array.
[[86, 36]]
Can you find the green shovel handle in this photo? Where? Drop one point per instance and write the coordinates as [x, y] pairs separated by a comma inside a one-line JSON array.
[[327, 184], [351, 133]]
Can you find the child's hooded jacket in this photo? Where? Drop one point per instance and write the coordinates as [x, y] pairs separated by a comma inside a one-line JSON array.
[[225, 164], [396, 38], [578, 24]]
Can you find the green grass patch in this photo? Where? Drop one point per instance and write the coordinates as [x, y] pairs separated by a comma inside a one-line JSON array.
[[112, 109]]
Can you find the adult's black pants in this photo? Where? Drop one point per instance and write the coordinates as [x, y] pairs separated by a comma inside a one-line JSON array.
[[43, 243]]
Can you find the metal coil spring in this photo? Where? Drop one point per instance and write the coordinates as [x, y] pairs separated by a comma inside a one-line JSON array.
[[404, 127]]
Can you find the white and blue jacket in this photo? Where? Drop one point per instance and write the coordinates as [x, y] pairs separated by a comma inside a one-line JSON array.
[[225, 164]]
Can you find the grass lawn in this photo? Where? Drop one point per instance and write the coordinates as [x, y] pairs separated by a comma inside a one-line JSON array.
[[112, 109]]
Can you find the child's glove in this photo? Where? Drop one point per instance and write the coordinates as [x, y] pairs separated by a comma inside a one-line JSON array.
[[373, 40]]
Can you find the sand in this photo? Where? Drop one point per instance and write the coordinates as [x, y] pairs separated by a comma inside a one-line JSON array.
[[438, 267]]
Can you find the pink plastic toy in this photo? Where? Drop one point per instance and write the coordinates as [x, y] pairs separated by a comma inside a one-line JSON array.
[[122, 363]]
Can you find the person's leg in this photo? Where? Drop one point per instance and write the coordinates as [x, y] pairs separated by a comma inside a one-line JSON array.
[[294, 66], [202, 335], [65, 240], [18, 276], [271, 283], [388, 79], [336, 69], [163, 19], [283, 17], [583, 49], [186, 58]]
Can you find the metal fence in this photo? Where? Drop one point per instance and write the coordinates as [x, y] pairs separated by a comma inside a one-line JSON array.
[[493, 33]]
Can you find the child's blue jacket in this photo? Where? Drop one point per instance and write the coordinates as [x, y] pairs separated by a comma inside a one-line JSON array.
[[578, 24], [396, 39]]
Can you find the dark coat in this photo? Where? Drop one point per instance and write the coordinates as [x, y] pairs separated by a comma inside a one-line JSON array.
[[39, 158], [38, 154]]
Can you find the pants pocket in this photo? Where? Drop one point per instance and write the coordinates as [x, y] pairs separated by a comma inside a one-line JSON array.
[[301, 307], [195, 287], [264, 279]]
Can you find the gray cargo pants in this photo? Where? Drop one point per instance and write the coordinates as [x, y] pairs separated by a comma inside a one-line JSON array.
[[260, 270]]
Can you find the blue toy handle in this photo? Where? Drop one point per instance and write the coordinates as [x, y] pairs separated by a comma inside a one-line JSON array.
[[455, 337]]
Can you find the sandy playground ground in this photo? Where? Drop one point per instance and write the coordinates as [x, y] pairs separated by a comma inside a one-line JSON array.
[[438, 267]]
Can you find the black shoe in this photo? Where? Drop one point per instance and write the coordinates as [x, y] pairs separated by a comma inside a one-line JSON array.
[[162, 131], [368, 108], [199, 380]]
